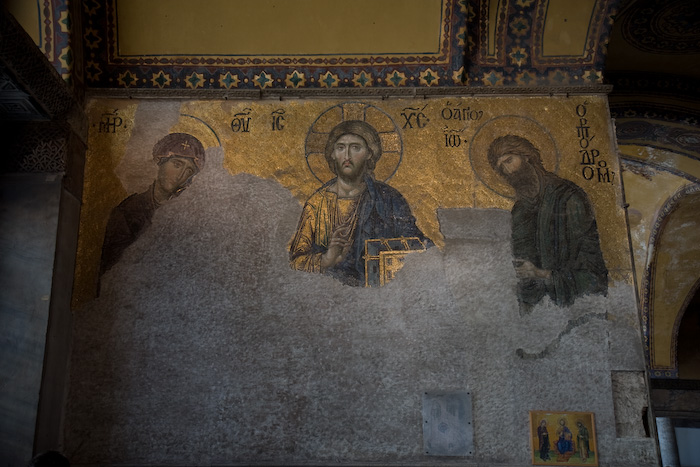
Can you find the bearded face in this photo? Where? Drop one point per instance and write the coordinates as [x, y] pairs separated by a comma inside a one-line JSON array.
[[350, 155], [520, 174]]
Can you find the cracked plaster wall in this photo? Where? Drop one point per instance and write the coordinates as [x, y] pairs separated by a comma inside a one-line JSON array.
[[218, 353]]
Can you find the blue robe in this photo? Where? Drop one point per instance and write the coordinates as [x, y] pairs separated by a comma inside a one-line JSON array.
[[382, 213], [565, 443]]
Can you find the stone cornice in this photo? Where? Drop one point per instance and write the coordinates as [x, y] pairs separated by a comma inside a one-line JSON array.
[[368, 93]]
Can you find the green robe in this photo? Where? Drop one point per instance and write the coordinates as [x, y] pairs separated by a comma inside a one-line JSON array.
[[557, 231]]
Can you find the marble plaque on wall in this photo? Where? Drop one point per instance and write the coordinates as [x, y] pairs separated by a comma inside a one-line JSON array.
[[447, 424]]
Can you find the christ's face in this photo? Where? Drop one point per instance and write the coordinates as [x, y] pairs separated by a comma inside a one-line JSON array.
[[350, 155], [174, 172]]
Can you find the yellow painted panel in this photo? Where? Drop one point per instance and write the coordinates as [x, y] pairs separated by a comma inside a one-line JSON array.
[[646, 194], [676, 253], [27, 14], [278, 27], [493, 20], [566, 27], [677, 269]]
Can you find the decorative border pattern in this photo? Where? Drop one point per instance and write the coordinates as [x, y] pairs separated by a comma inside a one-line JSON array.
[[255, 61], [647, 132], [655, 84], [648, 287], [36, 148], [482, 30], [367, 93], [105, 68], [672, 30], [663, 126], [518, 60], [654, 111], [596, 22], [55, 18], [29, 70], [464, 59]]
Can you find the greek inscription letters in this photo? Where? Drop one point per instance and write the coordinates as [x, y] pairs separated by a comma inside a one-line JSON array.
[[241, 121], [414, 115], [460, 113], [278, 120], [110, 122], [594, 167], [589, 157], [452, 138], [605, 175]]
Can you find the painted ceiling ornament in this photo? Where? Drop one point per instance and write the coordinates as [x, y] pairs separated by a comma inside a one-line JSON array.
[[195, 80], [263, 80], [92, 71], [296, 79], [674, 29], [127, 79], [329, 80], [516, 125], [389, 135], [161, 79], [362, 79], [229, 80]]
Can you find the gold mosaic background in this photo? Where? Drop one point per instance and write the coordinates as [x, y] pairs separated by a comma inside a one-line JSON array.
[[435, 149]]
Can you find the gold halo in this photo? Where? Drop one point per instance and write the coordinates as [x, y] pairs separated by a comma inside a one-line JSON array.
[[389, 135], [197, 127], [509, 125]]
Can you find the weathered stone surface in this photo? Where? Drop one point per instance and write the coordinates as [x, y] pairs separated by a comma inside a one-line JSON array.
[[219, 353], [630, 398]]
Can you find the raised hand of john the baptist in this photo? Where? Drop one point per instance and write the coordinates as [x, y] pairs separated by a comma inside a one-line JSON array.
[[339, 245]]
